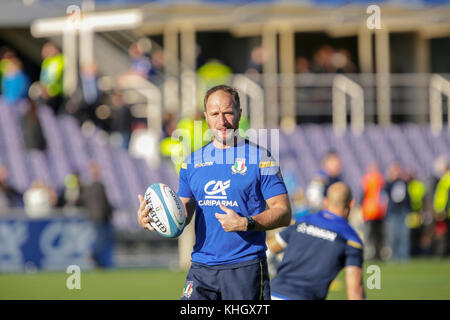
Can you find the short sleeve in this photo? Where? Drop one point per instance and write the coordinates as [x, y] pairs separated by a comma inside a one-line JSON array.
[[184, 190], [353, 254], [285, 234], [272, 183]]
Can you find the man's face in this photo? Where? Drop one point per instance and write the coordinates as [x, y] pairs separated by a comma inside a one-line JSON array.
[[333, 166], [222, 116]]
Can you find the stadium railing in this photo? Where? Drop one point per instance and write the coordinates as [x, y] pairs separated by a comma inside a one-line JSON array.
[[302, 98]]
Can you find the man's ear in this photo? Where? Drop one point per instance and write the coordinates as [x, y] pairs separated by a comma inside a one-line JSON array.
[[351, 204], [239, 114], [325, 203]]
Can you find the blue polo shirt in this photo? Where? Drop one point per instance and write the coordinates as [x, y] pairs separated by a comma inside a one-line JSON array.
[[318, 247], [241, 178]]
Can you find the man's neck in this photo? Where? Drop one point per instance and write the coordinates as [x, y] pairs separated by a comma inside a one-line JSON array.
[[343, 213]]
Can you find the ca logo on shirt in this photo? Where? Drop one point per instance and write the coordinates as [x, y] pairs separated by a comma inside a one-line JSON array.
[[217, 195], [218, 190]]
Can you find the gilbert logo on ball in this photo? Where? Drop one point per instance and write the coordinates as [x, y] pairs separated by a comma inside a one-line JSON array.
[[166, 210]]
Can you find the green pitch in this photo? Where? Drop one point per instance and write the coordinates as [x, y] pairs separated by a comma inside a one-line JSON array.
[[418, 279], [114, 284]]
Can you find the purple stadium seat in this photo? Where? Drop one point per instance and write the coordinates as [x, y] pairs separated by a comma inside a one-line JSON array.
[[14, 148], [101, 153], [56, 146], [75, 141], [38, 163]]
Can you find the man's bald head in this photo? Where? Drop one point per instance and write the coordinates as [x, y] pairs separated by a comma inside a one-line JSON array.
[[339, 199]]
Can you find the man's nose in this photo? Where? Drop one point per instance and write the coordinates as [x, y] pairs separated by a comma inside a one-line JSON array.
[[222, 120]]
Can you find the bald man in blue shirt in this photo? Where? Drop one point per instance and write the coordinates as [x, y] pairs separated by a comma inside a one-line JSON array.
[[316, 248]]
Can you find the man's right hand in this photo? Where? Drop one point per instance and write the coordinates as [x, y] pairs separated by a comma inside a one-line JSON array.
[[142, 214]]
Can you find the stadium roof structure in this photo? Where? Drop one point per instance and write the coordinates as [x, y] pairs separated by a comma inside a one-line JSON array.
[[253, 18], [276, 22], [247, 17]]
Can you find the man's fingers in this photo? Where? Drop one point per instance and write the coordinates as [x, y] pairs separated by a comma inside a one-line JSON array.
[[142, 202], [142, 214], [149, 227], [225, 209], [146, 220]]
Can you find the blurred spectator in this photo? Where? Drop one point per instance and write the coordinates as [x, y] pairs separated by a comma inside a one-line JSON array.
[[39, 199], [91, 92], [397, 211], [440, 166], [71, 194], [5, 54], [83, 102], [169, 124], [300, 207], [328, 60], [257, 59], [157, 61], [51, 78], [302, 65], [417, 191], [322, 60], [9, 196], [122, 118], [31, 128], [441, 207], [99, 211], [15, 82], [329, 173], [255, 64], [374, 205], [140, 62], [341, 61]]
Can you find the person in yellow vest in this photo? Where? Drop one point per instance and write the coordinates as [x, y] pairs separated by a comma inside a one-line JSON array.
[[417, 191], [212, 73], [188, 136], [51, 76], [441, 207]]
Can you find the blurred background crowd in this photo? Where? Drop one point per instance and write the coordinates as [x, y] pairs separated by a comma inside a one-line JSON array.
[[398, 215], [95, 145]]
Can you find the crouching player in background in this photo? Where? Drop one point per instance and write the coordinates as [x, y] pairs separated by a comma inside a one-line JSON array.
[[316, 248]]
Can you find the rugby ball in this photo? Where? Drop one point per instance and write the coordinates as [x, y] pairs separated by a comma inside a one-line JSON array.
[[167, 212]]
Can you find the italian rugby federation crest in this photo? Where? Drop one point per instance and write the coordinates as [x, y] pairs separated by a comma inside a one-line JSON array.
[[239, 166], [188, 288]]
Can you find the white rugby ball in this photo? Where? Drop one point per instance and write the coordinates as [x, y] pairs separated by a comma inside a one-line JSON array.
[[167, 212]]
